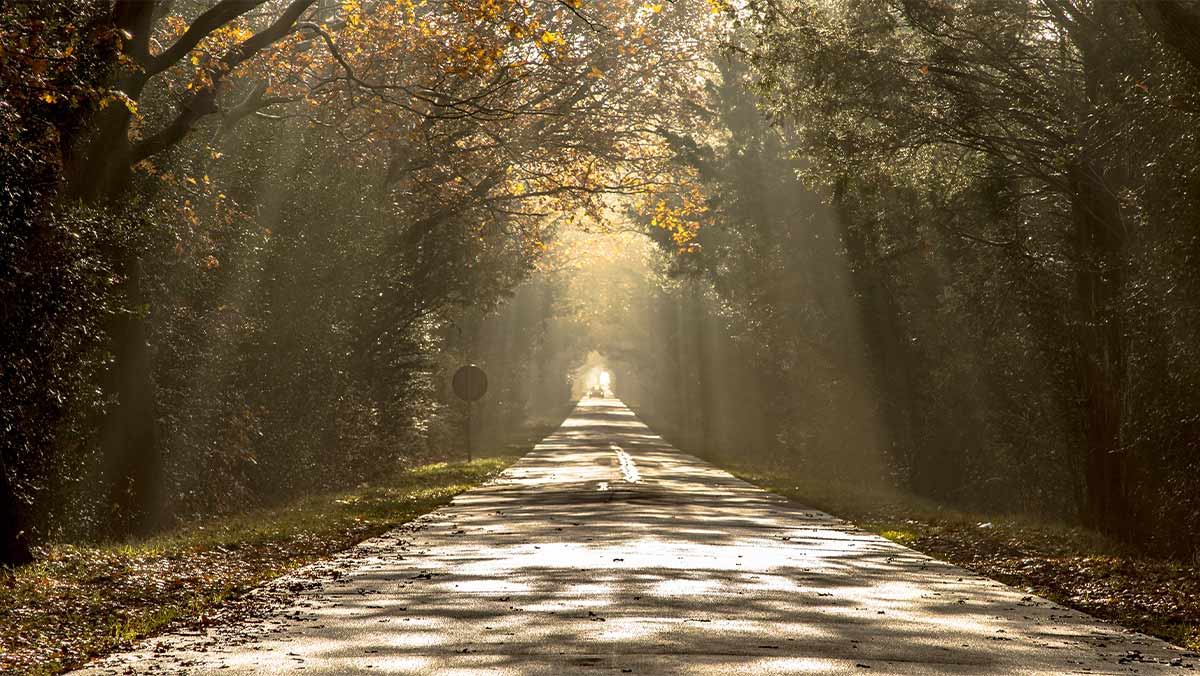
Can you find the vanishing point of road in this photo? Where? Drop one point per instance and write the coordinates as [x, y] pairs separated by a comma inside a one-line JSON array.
[[605, 550]]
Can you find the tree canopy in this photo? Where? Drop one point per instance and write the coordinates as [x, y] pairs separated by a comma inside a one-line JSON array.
[[944, 245]]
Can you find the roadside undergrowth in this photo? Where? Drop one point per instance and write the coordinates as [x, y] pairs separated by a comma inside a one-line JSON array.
[[80, 602], [1072, 566]]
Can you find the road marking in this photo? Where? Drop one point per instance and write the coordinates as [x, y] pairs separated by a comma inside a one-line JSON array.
[[629, 470], [634, 587]]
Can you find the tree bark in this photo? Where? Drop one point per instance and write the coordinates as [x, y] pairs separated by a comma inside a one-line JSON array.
[[1099, 240], [129, 431], [99, 172], [1101, 355], [14, 544]]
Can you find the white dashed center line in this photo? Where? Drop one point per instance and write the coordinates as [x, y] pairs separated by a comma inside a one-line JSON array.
[[629, 470]]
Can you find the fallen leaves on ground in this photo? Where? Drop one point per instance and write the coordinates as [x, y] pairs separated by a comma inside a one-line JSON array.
[[1068, 565], [1155, 596], [79, 602]]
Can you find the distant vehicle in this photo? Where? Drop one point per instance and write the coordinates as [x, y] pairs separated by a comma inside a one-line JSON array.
[[596, 392]]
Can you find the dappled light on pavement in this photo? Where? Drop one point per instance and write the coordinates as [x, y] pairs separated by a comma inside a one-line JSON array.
[[607, 551]]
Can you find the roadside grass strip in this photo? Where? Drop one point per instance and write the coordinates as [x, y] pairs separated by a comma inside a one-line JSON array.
[[80, 602]]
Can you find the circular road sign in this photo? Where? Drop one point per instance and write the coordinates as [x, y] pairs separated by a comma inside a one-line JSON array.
[[470, 382]]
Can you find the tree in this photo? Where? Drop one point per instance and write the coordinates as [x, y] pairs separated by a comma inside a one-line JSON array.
[[53, 58], [1177, 23], [1038, 105], [429, 147]]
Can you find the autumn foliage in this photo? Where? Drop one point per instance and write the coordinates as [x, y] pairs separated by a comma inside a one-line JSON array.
[[280, 208]]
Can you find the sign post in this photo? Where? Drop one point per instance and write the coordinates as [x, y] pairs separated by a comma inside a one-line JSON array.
[[470, 383]]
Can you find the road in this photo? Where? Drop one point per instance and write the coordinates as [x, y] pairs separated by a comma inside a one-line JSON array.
[[607, 551]]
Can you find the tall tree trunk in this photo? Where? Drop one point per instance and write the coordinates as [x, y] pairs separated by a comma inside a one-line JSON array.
[[1099, 242], [98, 172], [1098, 234], [129, 433], [14, 544]]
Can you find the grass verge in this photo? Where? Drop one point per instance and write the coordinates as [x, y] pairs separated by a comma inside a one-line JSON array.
[[1069, 565], [81, 602]]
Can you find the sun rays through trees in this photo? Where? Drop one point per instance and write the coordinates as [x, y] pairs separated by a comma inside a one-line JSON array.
[[945, 246]]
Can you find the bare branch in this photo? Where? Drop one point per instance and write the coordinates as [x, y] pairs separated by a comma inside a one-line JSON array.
[[204, 101], [216, 17]]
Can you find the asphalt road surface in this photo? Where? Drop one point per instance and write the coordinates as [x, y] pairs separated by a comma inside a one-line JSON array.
[[607, 551]]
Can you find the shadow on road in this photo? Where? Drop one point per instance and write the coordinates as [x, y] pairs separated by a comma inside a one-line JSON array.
[[565, 565]]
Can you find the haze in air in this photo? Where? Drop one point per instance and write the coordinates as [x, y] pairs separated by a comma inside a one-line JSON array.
[[923, 271]]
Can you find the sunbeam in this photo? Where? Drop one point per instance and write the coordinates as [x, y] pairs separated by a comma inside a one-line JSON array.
[[278, 277]]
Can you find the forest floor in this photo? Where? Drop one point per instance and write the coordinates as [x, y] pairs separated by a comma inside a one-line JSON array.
[[1069, 565], [78, 601]]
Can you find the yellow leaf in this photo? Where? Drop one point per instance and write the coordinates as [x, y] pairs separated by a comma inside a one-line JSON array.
[[49, 97]]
